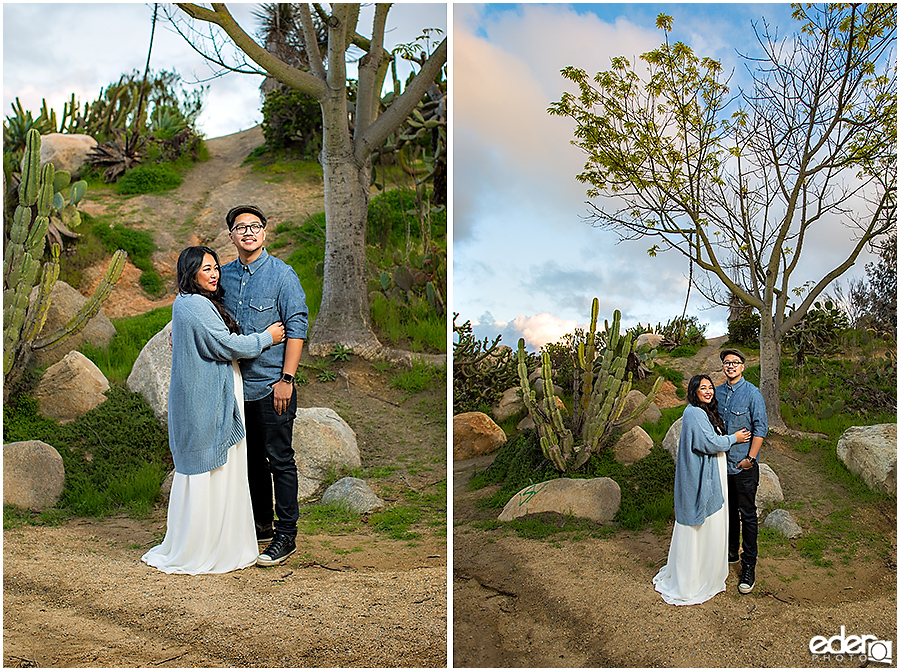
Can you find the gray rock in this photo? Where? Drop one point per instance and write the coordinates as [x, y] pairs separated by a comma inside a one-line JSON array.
[[474, 435], [670, 442], [71, 387], [323, 442], [33, 475], [538, 387], [871, 453], [526, 423], [780, 520], [596, 499], [151, 371], [165, 489], [354, 494], [66, 151], [652, 339], [632, 401], [510, 404], [65, 302], [632, 446], [769, 491]]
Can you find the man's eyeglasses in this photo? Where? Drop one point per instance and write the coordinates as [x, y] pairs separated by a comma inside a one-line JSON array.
[[243, 228], [731, 364]]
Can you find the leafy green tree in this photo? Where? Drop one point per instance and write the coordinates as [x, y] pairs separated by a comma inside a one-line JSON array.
[[740, 193], [346, 155]]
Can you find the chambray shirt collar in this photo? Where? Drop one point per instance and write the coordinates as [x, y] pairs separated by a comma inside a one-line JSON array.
[[255, 265], [731, 388]]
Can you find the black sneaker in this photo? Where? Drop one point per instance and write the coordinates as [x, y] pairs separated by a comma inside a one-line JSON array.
[[748, 579], [264, 533], [733, 558], [280, 549]]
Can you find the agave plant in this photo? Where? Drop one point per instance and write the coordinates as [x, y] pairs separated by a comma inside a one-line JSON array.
[[121, 153]]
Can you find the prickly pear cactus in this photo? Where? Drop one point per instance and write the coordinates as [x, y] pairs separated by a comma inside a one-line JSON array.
[[22, 262], [600, 389]]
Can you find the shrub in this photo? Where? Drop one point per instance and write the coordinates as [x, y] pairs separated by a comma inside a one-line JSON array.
[[292, 119], [744, 330], [150, 178]]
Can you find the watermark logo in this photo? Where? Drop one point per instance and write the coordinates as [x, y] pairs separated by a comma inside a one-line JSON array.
[[865, 648]]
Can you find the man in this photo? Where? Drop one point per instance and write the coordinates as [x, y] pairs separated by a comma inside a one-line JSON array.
[[261, 290], [741, 406]]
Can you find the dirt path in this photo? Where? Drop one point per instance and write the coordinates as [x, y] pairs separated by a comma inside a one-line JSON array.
[[77, 594], [590, 602]]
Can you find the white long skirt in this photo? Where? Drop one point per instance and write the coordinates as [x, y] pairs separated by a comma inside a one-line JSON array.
[[210, 520], [698, 556]]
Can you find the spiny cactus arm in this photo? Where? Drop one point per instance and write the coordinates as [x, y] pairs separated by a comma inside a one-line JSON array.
[[620, 421], [528, 395], [553, 452], [91, 308], [38, 312], [15, 306], [31, 169]]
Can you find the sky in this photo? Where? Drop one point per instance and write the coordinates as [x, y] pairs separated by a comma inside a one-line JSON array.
[[53, 50], [525, 261]]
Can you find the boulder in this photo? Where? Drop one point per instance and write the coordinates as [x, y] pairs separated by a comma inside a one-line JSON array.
[[165, 489], [652, 339], [632, 401], [780, 520], [871, 453], [474, 435], [670, 442], [769, 491], [66, 151], [323, 442], [151, 371], [510, 404], [33, 475], [526, 423], [596, 499], [64, 303], [667, 396], [354, 494], [632, 446], [71, 387]]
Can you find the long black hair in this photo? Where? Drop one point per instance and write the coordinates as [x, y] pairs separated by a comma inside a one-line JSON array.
[[711, 408], [189, 263]]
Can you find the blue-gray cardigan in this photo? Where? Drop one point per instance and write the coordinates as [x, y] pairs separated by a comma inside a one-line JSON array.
[[698, 489], [204, 420]]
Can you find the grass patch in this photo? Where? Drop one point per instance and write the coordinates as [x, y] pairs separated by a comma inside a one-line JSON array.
[[132, 334], [413, 325], [148, 178], [420, 377], [115, 456], [396, 522]]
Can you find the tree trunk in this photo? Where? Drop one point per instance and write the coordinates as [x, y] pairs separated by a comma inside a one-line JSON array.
[[343, 316], [770, 373]]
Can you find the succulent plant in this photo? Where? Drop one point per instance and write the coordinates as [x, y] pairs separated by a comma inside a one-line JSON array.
[[600, 388], [23, 320]]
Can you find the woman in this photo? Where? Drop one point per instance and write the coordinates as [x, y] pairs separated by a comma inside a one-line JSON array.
[[698, 554], [210, 520]]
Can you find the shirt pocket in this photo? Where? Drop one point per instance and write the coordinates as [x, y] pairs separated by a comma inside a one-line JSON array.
[[739, 416], [262, 314]]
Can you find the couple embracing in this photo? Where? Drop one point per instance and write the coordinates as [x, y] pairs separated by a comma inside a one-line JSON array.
[[722, 432], [237, 336]]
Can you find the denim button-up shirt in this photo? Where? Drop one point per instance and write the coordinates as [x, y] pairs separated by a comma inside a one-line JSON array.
[[742, 407], [258, 295]]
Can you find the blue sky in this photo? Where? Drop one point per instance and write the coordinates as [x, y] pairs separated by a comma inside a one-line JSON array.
[[53, 50], [524, 260]]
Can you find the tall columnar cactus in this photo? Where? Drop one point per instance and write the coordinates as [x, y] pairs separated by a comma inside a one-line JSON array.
[[598, 403], [22, 322]]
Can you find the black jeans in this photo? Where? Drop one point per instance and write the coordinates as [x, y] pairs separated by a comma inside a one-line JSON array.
[[742, 513], [270, 462]]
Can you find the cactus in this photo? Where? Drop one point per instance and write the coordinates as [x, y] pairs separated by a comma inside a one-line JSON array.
[[600, 388], [24, 249]]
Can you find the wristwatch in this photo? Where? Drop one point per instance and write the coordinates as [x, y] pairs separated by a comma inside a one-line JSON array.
[[287, 377], [752, 461]]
